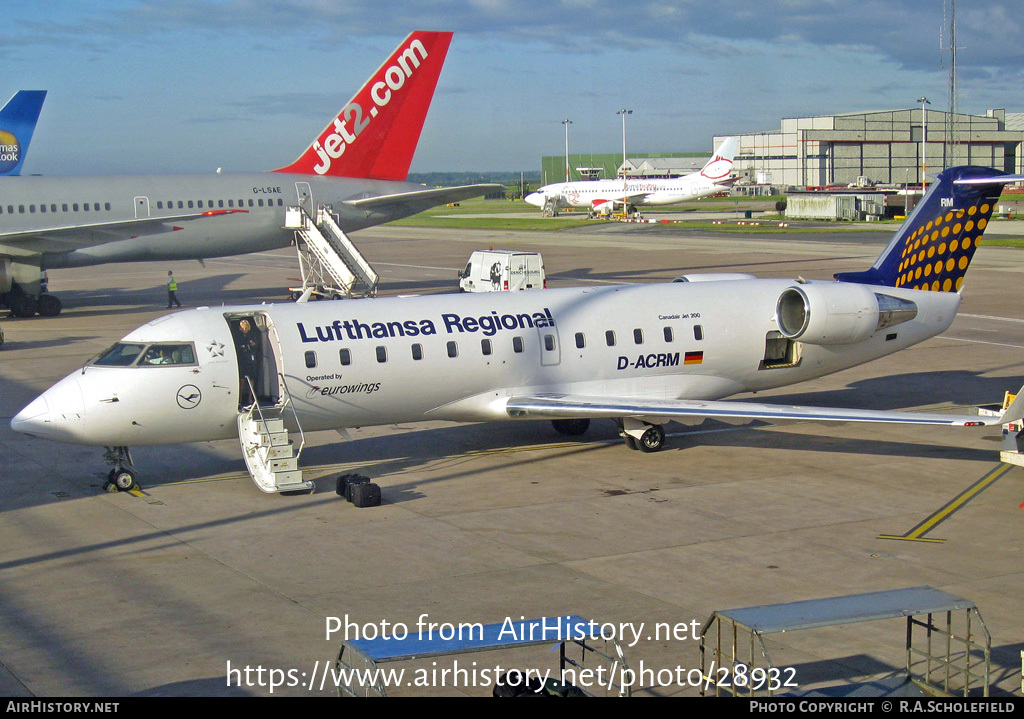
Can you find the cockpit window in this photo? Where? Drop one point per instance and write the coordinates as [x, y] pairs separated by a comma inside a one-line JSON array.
[[167, 354], [120, 355]]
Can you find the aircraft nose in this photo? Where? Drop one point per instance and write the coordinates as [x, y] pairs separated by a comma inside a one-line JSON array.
[[57, 413], [32, 419], [535, 198]]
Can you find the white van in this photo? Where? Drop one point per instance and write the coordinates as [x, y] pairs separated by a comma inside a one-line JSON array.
[[500, 270]]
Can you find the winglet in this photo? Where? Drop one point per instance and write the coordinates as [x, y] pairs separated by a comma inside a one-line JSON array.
[[17, 123], [375, 134]]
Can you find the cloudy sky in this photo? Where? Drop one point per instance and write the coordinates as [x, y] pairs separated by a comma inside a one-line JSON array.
[[193, 85]]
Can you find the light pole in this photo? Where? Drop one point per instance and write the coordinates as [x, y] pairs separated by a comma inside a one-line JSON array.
[[924, 141], [624, 112], [566, 122]]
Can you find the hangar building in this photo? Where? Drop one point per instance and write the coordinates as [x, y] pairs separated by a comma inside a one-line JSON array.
[[860, 148]]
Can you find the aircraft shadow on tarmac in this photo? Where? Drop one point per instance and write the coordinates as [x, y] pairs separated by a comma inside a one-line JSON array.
[[395, 452]]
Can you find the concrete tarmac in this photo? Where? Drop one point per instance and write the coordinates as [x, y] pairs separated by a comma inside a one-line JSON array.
[[203, 585]]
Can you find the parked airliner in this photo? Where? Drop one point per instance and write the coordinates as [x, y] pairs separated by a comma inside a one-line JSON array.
[[641, 355], [606, 196], [357, 166]]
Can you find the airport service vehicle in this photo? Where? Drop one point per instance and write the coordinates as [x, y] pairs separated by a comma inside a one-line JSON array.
[[502, 270], [640, 355], [356, 166], [17, 124], [603, 197]]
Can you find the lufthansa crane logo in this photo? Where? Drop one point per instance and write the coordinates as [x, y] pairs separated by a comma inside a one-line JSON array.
[[189, 397]]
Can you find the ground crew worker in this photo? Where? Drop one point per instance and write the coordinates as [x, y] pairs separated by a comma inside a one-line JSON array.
[[172, 288]]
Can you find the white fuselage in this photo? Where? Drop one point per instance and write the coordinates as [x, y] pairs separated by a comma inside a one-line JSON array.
[[646, 192], [66, 221], [354, 363]]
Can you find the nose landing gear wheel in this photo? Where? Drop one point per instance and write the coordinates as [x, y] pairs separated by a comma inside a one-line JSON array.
[[122, 480], [123, 477]]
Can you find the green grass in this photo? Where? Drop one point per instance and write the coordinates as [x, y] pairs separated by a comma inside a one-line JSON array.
[[492, 223], [1002, 241]]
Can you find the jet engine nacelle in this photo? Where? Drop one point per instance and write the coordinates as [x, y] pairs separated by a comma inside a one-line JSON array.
[[838, 313]]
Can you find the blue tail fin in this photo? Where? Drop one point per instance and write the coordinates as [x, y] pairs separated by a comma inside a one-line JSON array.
[[933, 248], [17, 123]]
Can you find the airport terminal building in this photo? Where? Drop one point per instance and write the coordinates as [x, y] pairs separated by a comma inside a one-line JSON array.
[[883, 147]]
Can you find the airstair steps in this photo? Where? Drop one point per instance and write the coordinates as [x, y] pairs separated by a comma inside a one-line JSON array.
[[270, 454]]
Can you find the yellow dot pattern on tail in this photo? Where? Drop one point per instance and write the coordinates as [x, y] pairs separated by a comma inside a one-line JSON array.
[[936, 256]]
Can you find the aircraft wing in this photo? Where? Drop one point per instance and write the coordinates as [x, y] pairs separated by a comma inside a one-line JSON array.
[[83, 231], [563, 406], [433, 196]]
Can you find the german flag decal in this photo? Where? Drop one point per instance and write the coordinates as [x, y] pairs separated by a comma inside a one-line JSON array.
[[693, 358]]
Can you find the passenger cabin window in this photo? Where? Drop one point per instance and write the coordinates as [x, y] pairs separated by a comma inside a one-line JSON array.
[[549, 343], [485, 347], [669, 336], [581, 340], [345, 356], [382, 354], [698, 332], [638, 336], [517, 344], [417, 351], [609, 337], [453, 349], [310, 359], [168, 354]]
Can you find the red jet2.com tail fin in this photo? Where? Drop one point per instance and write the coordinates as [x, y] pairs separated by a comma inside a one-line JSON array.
[[375, 134]]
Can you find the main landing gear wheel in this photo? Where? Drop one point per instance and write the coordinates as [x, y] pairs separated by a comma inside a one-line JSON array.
[[48, 305], [571, 427], [631, 442], [22, 305], [653, 439]]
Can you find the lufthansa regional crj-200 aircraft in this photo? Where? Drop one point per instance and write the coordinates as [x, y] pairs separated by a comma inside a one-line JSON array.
[[606, 196], [641, 355], [357, 166]]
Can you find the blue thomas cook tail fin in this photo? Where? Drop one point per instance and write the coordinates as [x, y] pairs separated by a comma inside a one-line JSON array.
[[933, 248], [17, 123]]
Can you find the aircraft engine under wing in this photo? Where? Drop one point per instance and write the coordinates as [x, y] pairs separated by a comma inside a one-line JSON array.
[[562, 406]]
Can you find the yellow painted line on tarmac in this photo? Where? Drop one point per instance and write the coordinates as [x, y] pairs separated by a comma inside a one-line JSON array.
[[143, 495], [954, 505]]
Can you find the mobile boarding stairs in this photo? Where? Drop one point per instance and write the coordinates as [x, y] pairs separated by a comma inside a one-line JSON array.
[[331, 265]]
